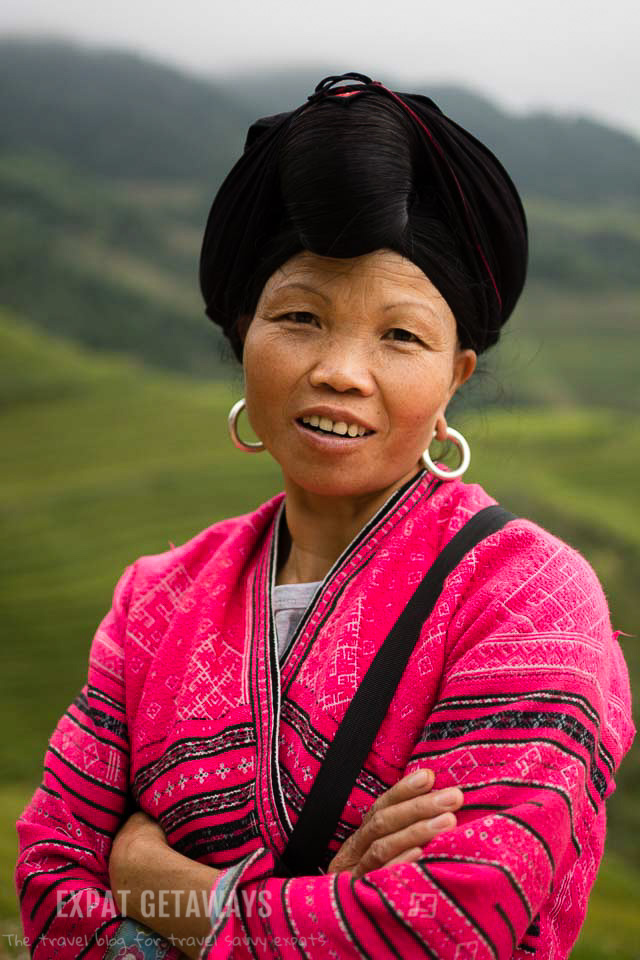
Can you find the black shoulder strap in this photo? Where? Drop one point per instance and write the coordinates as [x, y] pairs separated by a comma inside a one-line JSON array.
[[354, 737]]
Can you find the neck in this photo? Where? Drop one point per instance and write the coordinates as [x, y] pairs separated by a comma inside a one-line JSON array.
[[317, 529]]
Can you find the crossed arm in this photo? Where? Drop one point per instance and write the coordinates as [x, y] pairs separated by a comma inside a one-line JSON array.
[[159, 887], [174, 896], [531, 723]]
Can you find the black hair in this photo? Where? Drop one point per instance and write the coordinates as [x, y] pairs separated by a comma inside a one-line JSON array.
[[348, 186], [358, 169]]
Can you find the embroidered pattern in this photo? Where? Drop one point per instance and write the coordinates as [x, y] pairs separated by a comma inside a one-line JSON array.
[[516, 691]]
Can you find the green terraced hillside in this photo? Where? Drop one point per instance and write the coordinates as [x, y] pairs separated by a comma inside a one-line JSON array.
[[103, 460]]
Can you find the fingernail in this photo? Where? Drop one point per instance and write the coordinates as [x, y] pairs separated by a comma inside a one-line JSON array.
[[419, 779], [448, 798], [443, 821]]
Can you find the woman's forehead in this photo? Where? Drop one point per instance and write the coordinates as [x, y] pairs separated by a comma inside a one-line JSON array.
[[377, 270]]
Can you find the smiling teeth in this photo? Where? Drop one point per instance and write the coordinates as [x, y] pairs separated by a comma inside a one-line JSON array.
[[339, 427]]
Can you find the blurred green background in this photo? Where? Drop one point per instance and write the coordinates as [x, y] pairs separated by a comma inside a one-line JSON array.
[[114, 388]]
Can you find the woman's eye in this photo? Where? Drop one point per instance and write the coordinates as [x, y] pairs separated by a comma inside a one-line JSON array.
[[297, 316], [405, 336]]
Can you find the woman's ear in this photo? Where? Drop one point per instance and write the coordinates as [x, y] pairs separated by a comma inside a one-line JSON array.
[[441, 429], [464, 364], [242, 325]]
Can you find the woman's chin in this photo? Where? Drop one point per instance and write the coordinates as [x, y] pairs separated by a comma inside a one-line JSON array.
[[335, 482]]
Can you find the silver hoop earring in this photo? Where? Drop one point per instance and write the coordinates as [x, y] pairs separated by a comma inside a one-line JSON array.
[[465, 454], [234, 413]]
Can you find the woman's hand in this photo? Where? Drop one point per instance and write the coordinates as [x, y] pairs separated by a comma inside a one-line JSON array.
[[400, 822], [138, 834], [159, 887]]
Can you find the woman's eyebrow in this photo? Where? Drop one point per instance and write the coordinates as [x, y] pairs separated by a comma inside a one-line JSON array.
[[300, 286], [408, 301], [412, 303]]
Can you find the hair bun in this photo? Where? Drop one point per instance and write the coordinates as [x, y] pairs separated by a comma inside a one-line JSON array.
[[387, 169]]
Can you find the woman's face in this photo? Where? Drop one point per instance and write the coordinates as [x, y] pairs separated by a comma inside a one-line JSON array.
[[366, 342]]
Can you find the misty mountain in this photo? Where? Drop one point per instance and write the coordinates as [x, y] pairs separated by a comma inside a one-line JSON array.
[[120, 114], [115, 114], [109, 163]]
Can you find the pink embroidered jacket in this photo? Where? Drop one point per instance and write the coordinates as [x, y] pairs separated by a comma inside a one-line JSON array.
[[517, 691]]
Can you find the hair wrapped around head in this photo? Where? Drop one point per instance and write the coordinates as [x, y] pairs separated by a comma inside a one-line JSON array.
[[358, 168]]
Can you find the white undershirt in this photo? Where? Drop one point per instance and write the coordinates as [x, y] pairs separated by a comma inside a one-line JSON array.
[[289, 602]]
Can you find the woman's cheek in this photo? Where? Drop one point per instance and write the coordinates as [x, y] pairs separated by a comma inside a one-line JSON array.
[[267, 383], [417, 410]]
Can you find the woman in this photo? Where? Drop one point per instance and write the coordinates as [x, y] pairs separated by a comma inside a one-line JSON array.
[[359, 256]]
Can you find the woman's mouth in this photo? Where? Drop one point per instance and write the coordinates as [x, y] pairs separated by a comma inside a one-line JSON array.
[[330, 428], [331, 436]]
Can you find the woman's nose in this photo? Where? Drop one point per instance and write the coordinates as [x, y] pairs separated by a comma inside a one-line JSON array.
[[343, 366]]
